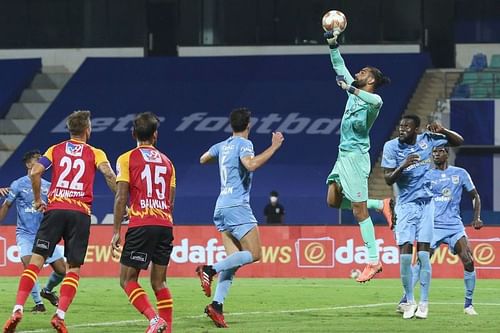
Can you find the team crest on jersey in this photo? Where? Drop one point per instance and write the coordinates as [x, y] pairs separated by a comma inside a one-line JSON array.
[[423, 144], [151, 155], [74, 149], [455, 179], [446, 192]]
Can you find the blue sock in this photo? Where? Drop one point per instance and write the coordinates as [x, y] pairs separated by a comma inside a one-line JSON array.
[[223, 285], [425, 275], [54, 280], [235, 260], [415, 273], [470, 284], [405, 271], [35, 293], [403, 299]]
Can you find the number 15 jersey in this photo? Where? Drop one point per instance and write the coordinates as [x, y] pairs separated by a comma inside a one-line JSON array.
[[150, 175], [73, 171]]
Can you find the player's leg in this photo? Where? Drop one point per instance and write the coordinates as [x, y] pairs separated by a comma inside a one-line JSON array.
[[56, 277], [464, 252], [25, 245], [161, 258], [136, 255]]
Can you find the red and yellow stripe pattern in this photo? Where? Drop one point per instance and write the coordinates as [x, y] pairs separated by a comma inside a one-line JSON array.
[[71, 282], [137, 292], [165, 304], [30, 274]]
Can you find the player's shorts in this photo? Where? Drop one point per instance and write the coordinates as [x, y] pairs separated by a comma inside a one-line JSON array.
[[238, 220], [415, 221], [351, 171], [145, 244], [447, 236], [25, 245], [70, 225]]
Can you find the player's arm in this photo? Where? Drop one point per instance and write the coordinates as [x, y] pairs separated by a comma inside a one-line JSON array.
[[207, 158], [338, 64], [10, 195], [36, 173], [454, 139], [370, 98], [476, 204], [391, 175], [173, 184], [109, 175], [4, 209], [119, 211], [252, 163], [4, 191]]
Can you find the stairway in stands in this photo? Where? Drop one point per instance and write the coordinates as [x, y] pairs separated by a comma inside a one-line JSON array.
[[25, 113], [435, 84]]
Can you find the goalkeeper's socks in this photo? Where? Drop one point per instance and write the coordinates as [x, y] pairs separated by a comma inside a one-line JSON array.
[[26, 283], [69, 287], [425, 275], [139, 299], [368, 235], [165, 306], [235, 260]]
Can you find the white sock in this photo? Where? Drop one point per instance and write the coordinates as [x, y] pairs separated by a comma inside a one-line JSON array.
[[60, 313], [18, 307]]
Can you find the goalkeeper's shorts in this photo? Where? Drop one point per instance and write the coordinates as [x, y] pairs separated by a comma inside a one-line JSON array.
[[351, 171]]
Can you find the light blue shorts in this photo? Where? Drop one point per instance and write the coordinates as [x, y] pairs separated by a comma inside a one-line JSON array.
[[447, 236], [415, 222], [238, 220], [25, 245]]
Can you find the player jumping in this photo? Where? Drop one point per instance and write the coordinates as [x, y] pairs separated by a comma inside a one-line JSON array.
[[233, 215], [348, 181], [406, 161]]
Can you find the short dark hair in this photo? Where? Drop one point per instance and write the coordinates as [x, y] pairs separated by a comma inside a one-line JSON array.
[[446, 148], [78, 122], [415, 118], [380, 78], [274, 193], [30, 154], [145, 125], [240, 118]]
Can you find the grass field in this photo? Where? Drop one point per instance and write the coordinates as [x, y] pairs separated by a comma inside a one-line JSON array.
[[273, 305]]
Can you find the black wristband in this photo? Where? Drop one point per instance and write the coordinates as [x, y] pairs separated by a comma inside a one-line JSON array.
[[351, 90], [334, 46]]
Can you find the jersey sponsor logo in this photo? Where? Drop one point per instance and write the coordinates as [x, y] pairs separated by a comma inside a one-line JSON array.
[[246, 150], [150, 155], [74, 149], [423, 144], [455, 179]]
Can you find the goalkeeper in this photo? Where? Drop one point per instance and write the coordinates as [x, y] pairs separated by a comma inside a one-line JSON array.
[[348, 181]]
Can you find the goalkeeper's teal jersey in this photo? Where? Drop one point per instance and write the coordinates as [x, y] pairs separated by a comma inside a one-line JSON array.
[[358, 116]]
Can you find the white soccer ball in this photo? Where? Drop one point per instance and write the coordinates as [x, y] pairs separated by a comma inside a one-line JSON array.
[[334, 20], [355, 273]]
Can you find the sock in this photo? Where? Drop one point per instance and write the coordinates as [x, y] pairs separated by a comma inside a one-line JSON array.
[[368, 235], [415, 274], [35, 294], [54, 280], [223, 285], [345, 204], [470, 284], [26, 283], [165, 306], [60, 313], [375, 204], [403, 299], [235, 260], [405, 271], [425, 275], [69, 287], [138, 298]]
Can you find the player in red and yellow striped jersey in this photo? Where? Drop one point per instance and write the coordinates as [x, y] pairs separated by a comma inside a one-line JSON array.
[[147, 178], [67, 214]]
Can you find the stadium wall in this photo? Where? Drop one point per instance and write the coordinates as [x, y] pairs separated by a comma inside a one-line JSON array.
[[295, 251]]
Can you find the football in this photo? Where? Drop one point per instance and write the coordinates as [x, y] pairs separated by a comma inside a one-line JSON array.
[[355, 273], [334, 20]]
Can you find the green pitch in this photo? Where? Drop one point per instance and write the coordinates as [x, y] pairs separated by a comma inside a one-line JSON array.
[[272, 305]]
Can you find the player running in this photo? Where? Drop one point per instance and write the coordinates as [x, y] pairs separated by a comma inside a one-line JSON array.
[[448, 182], [348, 180], [406, 161], [28, 222], [233, 215], [147, 177], [67, 214]]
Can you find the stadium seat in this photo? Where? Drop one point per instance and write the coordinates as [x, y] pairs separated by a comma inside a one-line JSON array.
[[461, 91], [479, 62], [495, 61]]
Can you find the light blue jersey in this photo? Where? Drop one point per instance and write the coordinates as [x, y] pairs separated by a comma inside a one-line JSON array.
[[447, 186], [412, 185], [28, 219], [236, 180]]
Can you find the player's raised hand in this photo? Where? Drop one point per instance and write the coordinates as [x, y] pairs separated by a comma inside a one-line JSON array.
[[115, 244], [331, 36], [435, 127], [277, 139], [477, 224], [411, 159], [4, 191], [341, 82]]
